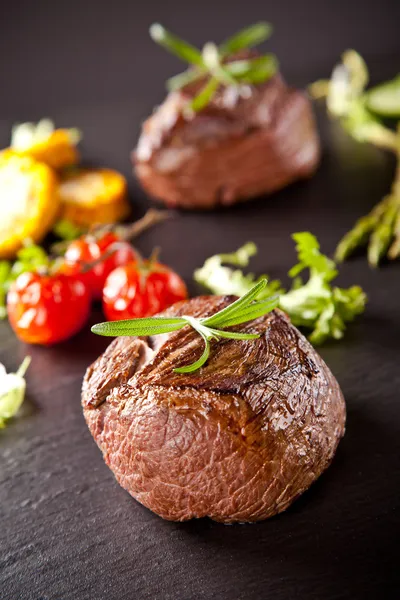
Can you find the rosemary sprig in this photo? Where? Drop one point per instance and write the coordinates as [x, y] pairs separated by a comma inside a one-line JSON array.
[[241, 311], [210, 63]]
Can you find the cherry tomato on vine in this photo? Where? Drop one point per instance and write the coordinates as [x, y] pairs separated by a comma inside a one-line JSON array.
[[46, 309], [86, 250], [141, 289]]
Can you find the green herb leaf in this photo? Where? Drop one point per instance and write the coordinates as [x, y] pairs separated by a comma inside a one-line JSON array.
[[186, 78], [365, 127], [358, 110], [205, 95], [30, 258], [12, 391], [198, 363], [5, 272], [246, 38], [210, 63], [346, 99], [382, 235], [315, 305], [319, 89], [234, 335], [139, 327], [254, 70], [67, 230], [175, 45], [241, 311], [347, 83], [222, 279], [384, 99], [236, 307], [254, 311], [310, 257]]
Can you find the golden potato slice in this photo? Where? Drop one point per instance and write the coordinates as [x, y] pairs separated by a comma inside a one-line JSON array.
[[55, 147], [29, 201], [93, 196]]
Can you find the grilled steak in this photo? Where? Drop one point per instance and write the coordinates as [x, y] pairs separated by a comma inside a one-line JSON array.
[[247, 142], [238, 440]]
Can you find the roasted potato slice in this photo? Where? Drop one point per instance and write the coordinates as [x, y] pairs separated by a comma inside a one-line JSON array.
[[29, 201], [55, 147], [93, 196]]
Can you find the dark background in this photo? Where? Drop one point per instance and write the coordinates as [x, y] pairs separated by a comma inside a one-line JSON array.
[[67, 530]]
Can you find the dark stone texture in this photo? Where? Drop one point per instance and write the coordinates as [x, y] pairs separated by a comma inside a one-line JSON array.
[[68, 531]]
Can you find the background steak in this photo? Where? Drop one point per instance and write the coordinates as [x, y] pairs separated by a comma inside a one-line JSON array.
[[243, 144], [238, 440]]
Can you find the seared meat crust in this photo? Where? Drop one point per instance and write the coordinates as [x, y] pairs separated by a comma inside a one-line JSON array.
[[238, 440]]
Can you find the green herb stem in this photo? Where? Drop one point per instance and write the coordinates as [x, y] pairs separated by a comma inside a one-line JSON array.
[[176, 45]]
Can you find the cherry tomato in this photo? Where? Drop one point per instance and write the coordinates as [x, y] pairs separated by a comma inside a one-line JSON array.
[[86, 250], [46, 309], [141, 290]]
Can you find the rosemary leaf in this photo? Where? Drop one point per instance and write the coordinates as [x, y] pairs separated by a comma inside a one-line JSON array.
[[139, 327], [246, 38], [254, 70], [235, 308], [254, 311], [198, 363], [211, 65], [234, 335], [205, 95], [183, 79], [175, 45]]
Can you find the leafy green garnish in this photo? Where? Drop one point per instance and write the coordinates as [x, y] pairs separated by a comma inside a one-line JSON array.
[[384, 99], [315, 305], [12, 391], [348, 100], [67, 230], [210, 63], [5, 272], [221, 279], [241, 311]]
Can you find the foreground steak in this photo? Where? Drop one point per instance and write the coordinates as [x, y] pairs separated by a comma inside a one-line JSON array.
[[238, 440], [245, 143]]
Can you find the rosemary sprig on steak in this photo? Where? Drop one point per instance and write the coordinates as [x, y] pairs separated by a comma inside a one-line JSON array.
[[211, 328], [212, 64]]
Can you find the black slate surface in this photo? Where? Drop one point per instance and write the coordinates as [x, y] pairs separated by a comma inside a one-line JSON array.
[[67, 530]]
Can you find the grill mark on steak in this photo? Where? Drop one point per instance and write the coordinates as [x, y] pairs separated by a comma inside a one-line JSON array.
[[114, 368]]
